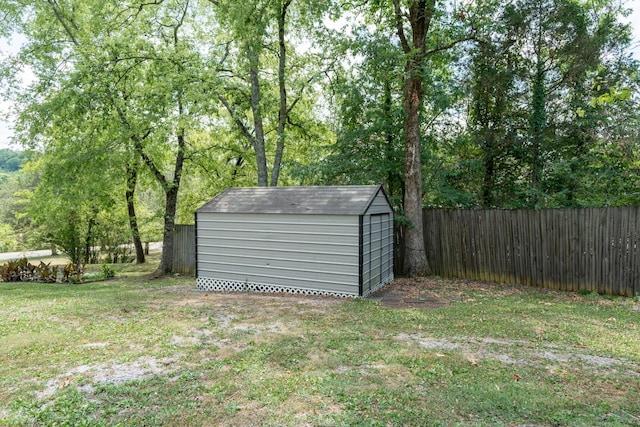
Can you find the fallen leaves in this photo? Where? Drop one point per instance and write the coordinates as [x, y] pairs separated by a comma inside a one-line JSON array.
[[471, 358]]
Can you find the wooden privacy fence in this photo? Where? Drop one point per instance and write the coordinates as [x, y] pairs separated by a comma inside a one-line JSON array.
[[184, 249], [591, 249]]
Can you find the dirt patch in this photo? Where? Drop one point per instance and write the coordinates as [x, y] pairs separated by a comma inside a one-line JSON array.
[[435, 292], [117, 373], [410, 293], [521, 352]]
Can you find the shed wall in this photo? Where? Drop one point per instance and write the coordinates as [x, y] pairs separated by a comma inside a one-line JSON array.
[[377, 241], [275, 252]]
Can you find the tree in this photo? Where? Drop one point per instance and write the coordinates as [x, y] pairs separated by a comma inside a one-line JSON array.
[[533, 76], [369, 145], [11, 161], [72, 23], [419, 20], [493, 93], [258, 48], [133, 70], [414, 25]]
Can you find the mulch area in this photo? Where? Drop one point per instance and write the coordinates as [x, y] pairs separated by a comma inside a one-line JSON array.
[[410, 293], [435, 292]]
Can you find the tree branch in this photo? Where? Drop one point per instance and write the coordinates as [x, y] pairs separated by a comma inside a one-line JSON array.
[[62, 21], [400, 27], [450, 45], [237, 121], [135, 14]]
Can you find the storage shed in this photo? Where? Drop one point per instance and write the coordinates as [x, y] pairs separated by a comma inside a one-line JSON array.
[[335, 240]]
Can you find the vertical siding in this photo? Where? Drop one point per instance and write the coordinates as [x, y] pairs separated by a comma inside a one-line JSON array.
[[387, 247], [375, 255], [312, 252], [377, 244], [184, 249], [366, 254]]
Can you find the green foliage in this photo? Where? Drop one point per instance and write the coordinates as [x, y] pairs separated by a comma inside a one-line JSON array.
[[369, 142], [271, 87], [11, 161], [108, 272], [15, 227], [534, 78], [538, 109], [23, 271], [8, 239]]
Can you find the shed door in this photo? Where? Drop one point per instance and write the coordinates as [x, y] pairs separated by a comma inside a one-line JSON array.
[[377, 234]]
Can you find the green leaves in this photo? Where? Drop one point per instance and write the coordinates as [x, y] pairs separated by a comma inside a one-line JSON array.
[[543, 81]]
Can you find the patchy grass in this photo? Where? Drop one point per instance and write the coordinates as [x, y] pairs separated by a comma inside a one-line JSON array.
[[142, 351]]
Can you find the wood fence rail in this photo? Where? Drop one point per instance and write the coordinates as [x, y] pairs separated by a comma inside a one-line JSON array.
[[571, 249]]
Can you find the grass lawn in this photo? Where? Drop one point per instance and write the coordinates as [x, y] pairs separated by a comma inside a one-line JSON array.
[[136, 350]]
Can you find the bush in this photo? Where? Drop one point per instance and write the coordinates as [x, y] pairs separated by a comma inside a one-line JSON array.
[[73, 273], [107, 272], [8, 242], [23, 271]]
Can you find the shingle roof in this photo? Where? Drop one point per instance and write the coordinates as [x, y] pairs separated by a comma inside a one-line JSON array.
[[327, 200]]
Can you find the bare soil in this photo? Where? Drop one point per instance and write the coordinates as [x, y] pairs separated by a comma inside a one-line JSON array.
[[405, 293], [436, 292]]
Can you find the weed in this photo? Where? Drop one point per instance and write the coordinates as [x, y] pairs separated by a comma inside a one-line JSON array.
[[108, 272]]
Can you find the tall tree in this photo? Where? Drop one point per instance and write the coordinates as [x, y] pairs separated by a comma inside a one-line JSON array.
[[369, 146], [135, 67], [419, 20], [263, 113], [492, 95], [414, 22], [541, 67]]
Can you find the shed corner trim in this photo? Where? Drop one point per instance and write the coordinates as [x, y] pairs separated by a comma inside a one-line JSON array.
[[360, 254]]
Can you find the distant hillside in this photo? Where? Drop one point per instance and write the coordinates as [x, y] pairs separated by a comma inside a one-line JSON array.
[[10, 160]]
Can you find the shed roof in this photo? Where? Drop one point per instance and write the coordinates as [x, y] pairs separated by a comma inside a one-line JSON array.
[[318, 200]]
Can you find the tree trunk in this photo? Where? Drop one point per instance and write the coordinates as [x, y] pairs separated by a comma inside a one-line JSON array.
[[132, 179], [416, 263], [420, 14], [88, 242], [256, 109], [283, 112], [171, 204]]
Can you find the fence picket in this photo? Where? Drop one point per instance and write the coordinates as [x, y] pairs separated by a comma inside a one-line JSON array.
[[594, 249], [184, 249]]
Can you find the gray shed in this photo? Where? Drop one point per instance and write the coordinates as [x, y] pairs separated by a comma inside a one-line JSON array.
[[307, 240]]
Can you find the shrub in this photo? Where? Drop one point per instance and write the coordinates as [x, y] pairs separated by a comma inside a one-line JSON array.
[[17, 271], [46, 273], [107, 272], [73, 273], [23, 271]]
